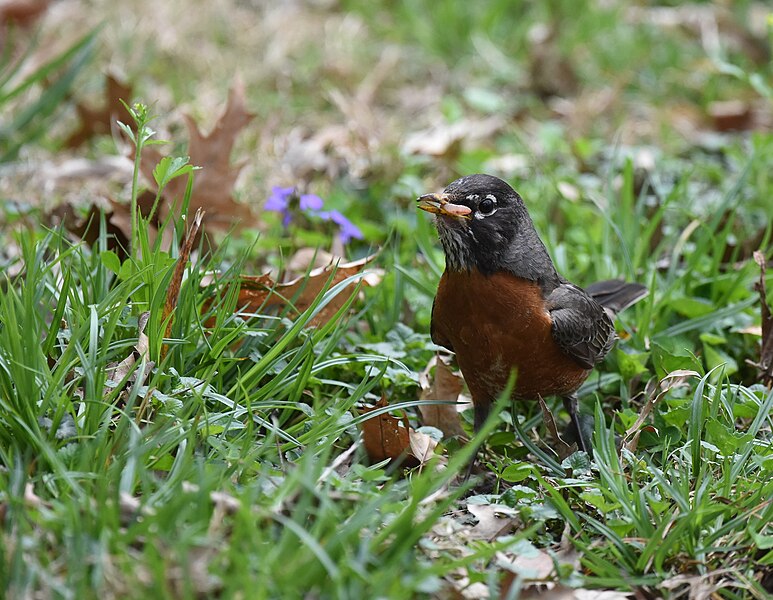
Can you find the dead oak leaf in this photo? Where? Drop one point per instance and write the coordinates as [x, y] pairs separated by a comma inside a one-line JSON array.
[[386, 437], [260, 293], [560, 446], [119, 372], [494, 520], [214, 182], [117, 217], [447, 386], [765, 365], [98, 121], [422, 445], [173, 291], [21, 12], [446, 140]]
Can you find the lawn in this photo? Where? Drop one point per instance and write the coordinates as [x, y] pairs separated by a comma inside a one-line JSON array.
[[243, 401]]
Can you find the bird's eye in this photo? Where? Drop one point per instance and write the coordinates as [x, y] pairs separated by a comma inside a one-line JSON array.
[[487, 206]]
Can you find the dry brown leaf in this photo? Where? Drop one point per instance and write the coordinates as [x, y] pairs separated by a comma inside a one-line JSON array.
[[305, 260], [386, 437], [262, 292], [560, 446], [445, 385], [671, 381], [214, 182], [730, 115], [118, 225], [117, 372], [173, 291], [225, 502], [765, 365], [99, 121], [561, 592], [307, 153], [535, 566], [422, 446], [755, 330], [21, 12], [494, 520], [695, 587], [446, 140], [31, 499]]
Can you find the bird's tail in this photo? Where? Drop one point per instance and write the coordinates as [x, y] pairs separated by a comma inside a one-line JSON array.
[[615, 294]]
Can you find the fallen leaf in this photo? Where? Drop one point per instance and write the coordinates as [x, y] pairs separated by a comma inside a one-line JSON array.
[[341, 464], [31, 499], [556, 592], [672, 380], [536, 565], [422, 445], [494, 520], [386, 437], [173, 291], [118, 224], [118, 372], [224, 502], [259, 293], [99, 121], [765, 364], [561, 447], [445, 385], [446, 140], [755, 330], [21, 12], [561, 592], [214, 182], [305, 260], [695, 587], [677, 378], [730, 115]]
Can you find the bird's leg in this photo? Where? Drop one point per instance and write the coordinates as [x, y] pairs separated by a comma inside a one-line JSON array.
[[481, 412], [571, 406]]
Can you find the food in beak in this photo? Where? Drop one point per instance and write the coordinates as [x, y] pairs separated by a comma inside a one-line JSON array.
[[438, 204]]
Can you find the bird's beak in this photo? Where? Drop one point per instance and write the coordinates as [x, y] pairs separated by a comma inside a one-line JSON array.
[[440, 204]]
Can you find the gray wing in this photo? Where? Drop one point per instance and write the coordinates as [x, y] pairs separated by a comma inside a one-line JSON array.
[[581, 326], [435, 335]]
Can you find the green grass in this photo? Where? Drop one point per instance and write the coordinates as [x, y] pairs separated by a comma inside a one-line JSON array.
[[228, 460]]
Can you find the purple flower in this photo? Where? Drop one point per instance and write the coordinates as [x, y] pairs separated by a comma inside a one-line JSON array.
[[348, 230], [280, 201], [311, 202]]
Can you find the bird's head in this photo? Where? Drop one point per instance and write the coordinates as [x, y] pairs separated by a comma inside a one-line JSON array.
[[478, 218]]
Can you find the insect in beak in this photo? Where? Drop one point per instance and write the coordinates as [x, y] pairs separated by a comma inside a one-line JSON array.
[[439, 204]]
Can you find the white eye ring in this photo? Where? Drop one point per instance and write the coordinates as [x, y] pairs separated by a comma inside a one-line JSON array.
[[490, 198]]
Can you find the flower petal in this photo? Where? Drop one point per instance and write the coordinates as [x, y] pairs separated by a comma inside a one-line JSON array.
[[311, 202], [349, 230], [279, 199]]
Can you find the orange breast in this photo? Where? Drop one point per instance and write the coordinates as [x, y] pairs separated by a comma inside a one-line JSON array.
[[497, 324]]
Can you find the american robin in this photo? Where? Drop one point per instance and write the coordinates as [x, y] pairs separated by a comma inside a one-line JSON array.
[[502, 307]]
